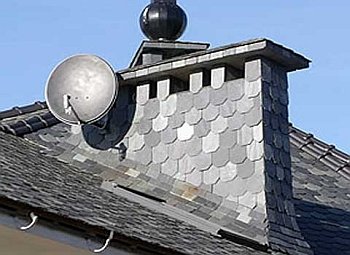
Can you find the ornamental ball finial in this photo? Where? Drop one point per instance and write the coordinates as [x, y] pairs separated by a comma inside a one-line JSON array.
[[163, 20]]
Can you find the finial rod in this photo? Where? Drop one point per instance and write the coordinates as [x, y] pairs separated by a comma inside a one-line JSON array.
[[164, 1]]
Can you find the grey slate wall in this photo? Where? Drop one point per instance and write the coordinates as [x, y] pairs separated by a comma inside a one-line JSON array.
[[282, 226], [229, 138]]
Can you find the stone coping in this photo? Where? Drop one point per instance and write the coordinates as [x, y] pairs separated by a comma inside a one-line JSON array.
[[234, 55]]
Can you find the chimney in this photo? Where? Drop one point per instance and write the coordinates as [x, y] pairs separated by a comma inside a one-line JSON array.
[[212, 122], [229, 138]]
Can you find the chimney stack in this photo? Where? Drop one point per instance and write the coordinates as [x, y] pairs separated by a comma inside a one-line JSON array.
[[212, 122]]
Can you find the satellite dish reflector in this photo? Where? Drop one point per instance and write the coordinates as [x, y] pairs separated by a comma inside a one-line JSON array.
[[81, 90]]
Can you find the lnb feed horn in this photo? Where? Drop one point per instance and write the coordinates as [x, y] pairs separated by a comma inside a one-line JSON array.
[[82, 89]]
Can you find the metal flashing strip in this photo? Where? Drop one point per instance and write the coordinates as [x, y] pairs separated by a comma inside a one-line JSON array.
[[141, 194], [228, 234], [164, 208], [198, 222]]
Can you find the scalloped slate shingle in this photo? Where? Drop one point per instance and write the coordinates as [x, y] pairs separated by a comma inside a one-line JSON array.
[[199, 171], [321, 191], [43, 182]]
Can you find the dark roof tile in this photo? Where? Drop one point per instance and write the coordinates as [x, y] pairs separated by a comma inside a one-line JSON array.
[[16, 111], [321, 175], [30, 123], [325, 153], [67, 191]]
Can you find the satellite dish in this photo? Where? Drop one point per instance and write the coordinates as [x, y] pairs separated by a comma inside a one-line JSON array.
[[81, 90]]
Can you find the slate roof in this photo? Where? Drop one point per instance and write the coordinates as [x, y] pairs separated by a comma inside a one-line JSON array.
[[42, 182], [321, 184], [24, 120], [320, 180]]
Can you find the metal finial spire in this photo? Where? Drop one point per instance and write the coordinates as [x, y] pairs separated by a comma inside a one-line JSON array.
[[163, 20], [163, 1]]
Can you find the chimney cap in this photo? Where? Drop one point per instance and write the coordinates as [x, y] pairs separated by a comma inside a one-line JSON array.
[[163, 20]]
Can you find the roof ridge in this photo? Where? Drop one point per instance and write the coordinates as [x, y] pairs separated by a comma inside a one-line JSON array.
[[327, 154], [30, 125], [17, 111]]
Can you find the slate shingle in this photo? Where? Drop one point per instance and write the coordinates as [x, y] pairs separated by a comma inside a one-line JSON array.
[[320, 180], [82, 199]]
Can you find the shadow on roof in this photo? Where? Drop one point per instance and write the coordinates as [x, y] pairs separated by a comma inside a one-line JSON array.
[[324, 228]]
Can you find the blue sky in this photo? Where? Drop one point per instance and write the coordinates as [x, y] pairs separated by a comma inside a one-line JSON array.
[[37, 34]]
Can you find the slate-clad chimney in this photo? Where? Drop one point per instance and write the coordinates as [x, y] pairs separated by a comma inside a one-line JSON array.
[[230, 137], [213, 121], [225, 134]]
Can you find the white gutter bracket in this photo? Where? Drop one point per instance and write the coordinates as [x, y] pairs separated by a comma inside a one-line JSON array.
[[34, 219], [104, 247]]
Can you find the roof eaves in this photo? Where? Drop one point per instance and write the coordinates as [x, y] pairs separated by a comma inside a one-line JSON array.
[[41, 181], [79, 227]]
